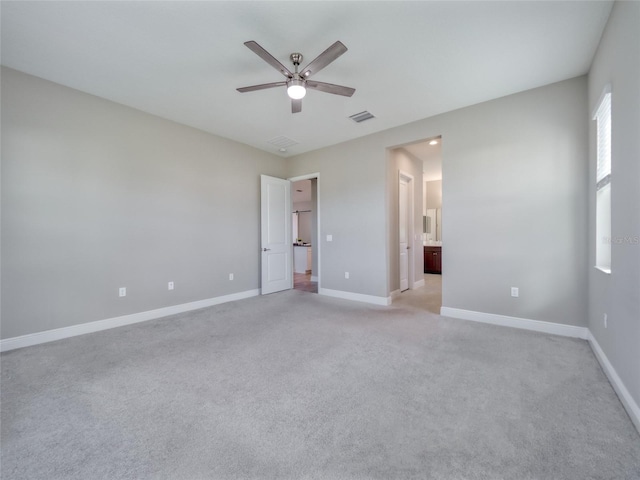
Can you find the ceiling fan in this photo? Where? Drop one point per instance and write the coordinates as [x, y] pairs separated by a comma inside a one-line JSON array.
[[298, 82]]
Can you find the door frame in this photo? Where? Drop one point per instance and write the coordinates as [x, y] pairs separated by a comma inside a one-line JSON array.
[[311, 176], [408, 178]]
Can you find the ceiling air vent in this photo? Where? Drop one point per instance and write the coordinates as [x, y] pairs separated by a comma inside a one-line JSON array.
[[282, 142], [361, 117]]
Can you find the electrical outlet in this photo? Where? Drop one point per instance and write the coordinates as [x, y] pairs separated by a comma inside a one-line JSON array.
[[231, 276], [346, 274], [170, 285], [329, 238], [122, 292], [605, 320], [515, 292]]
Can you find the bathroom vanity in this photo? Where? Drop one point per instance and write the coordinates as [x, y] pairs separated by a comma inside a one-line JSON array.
[[432, 259]]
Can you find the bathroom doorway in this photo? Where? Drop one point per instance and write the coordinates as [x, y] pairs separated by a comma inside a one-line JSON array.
[[428, 292]]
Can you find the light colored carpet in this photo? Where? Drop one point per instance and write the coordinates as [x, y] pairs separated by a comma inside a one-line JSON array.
[[300, 386]]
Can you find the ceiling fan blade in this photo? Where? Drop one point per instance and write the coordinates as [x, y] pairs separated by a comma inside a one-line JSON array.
[[267, 57], [296, 106], [330, 88], [324, 59], [263, 86]]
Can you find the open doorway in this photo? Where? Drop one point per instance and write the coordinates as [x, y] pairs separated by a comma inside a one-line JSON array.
[[304, 224], [425, 155]]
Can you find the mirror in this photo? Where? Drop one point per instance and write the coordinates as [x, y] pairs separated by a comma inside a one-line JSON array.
[[432, 223]]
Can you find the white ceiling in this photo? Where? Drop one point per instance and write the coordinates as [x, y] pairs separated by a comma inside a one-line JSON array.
[[407, 60], [431, 157]]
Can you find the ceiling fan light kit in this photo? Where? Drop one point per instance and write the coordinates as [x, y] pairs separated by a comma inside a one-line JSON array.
[[296, 89], [297, 83]]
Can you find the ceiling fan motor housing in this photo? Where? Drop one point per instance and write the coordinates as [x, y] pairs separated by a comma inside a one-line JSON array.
[[296, 59]]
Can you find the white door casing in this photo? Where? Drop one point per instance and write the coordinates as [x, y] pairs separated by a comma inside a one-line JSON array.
[[275, 231]]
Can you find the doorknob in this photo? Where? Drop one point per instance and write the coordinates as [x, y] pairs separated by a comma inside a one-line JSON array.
[[408, 247], [265, 249]]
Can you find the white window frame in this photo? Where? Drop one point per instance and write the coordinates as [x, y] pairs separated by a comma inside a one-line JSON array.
[[603, 118]]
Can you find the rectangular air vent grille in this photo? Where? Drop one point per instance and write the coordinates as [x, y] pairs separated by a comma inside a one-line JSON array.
[[282, 142], [361, 117]]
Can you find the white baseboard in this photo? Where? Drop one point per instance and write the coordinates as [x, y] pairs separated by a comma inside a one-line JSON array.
[[524, 323], [90, 327], [623, 394], [358, 297], [419, 283]]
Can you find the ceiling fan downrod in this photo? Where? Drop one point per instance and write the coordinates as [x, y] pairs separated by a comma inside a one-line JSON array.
[[296, 86]]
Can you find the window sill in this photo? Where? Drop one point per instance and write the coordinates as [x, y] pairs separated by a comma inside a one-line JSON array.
[[603, 270]]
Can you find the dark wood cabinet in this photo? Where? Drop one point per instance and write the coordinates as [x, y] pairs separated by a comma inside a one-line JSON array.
[[432, 259]]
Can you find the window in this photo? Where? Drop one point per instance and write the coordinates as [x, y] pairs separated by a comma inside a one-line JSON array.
[[603, 183]]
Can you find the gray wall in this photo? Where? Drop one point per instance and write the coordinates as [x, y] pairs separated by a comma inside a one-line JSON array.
[[515, 166], [96, 196], [352, 209], [514, 205], [434, 194], [617, 62]]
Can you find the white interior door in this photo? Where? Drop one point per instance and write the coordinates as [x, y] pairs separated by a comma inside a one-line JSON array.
[[277, 246], [404, 240], [405, 232]]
